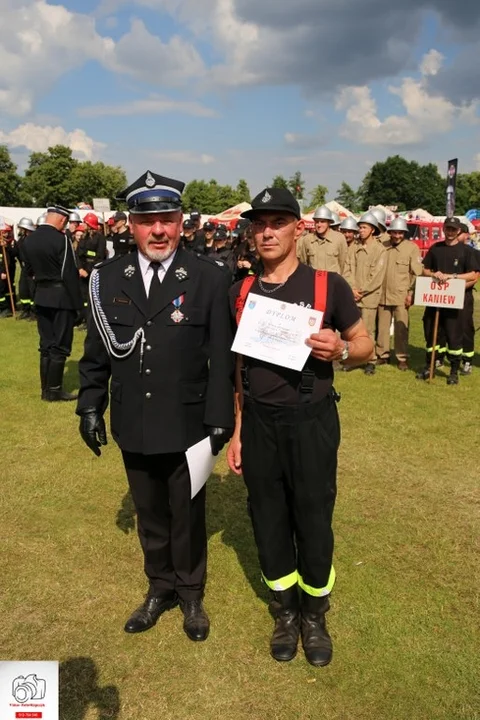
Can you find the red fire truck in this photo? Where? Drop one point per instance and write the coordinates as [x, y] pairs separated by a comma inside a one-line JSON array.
[[425, 233]]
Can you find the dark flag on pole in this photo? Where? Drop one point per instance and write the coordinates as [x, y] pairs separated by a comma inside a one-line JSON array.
[[451, 186]]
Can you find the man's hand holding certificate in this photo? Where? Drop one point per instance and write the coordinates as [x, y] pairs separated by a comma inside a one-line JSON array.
[[276, 331]]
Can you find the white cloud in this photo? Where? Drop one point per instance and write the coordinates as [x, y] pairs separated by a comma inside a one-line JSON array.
[[186, 157], [425, 114], [38, 139], [153, 105]]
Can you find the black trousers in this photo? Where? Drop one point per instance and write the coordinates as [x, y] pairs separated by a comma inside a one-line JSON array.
[[55, 328], [289, 459], [171, 526], [26, 288], [468, 327], [450, 333]]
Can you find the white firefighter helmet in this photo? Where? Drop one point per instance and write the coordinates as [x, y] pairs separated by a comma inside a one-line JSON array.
[[26, 224], [323, 213], [399, 224], [381, 217], [349, 224]]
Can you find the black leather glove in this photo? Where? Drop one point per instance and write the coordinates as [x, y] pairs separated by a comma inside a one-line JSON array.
[[218, 438], [92, 430]]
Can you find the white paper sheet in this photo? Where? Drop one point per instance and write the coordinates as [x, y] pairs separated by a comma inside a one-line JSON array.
[[200, 464], [275, 331]]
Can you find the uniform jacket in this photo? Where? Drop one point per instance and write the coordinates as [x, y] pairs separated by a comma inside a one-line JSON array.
[[50, 260], [91, 250], [185, 382], [403, 266], [365, 271], [327, 253]]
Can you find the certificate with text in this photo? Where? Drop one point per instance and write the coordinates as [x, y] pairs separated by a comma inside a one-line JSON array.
[[276, 331]]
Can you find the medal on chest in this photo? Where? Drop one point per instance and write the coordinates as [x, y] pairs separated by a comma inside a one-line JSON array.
[[177, 316]]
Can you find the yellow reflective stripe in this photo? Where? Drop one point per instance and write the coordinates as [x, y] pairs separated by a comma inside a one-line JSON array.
[[319, 592], [437, 348], [442, 349], [91, 253], [455, 352], [469, 355], [283, 583]]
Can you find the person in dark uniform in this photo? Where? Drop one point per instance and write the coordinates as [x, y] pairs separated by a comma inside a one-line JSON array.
[[50, 261], [208, 233], [221, 251], [287, 432], [26, 286], [8, 257], [196, 218], [92, 249], [121, 236], [160, 329], [248, 260], [187, 238], [446, 260], [468, 324]]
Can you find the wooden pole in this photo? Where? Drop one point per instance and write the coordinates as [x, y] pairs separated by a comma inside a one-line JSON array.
[[7, 273], [434, 345]]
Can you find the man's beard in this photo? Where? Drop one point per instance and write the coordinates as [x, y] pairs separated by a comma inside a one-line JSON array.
[[159, 255]]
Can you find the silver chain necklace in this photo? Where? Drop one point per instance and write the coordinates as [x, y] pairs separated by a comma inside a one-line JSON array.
[[269, 292]]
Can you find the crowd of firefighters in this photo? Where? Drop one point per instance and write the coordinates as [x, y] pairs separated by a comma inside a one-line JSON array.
[[379, 262]]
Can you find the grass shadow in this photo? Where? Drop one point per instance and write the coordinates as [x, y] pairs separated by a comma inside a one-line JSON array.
[[227, 514], [70, 377], [79, 691], [126, 514]]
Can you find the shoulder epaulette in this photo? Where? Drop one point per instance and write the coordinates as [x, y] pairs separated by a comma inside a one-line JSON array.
[[218, 263], [107, 261]]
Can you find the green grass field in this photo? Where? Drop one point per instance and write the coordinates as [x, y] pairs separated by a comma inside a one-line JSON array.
[[405, 609]]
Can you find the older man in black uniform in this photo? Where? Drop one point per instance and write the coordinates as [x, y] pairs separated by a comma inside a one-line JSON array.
[[50, 261], [287, 432], [160, 330]]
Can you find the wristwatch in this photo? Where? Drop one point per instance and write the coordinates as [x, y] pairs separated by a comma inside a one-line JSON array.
[[346, 352]]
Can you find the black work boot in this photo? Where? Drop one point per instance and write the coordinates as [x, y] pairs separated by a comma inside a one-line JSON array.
[[316, 641], [54, 391], [454, 368], [25, 314], [44, 363], [285, 609]]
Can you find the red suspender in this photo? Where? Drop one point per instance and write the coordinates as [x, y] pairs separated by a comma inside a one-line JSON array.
[[242, 295], [320, 293]]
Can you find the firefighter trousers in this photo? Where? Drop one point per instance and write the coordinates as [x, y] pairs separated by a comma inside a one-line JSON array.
[[289, 460], [450, 332]]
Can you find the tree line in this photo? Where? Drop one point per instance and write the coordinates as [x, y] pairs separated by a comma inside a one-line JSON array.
[[56, 176]]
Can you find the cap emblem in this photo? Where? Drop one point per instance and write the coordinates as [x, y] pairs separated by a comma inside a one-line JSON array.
[[149, 180], [267, 197]]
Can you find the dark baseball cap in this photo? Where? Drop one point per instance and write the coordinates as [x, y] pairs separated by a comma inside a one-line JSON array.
[[195, 214], [220, 234], [188, 224], [274, 200], [208, 226], [119, 216], [464, 228], [452, 222]]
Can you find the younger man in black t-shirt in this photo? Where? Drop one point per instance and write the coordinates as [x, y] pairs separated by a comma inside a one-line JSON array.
[[445, 261], [287, 435]]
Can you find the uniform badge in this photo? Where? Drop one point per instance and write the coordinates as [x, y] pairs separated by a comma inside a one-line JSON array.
[[129, 271], [219, 262], [177, 316], [267, 197], [181, 274], [149, 180]]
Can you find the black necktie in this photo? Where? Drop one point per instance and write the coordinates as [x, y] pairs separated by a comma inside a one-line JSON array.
[[155, 286]]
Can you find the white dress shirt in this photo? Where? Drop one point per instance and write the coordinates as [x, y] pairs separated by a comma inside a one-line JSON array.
[[147, 270]]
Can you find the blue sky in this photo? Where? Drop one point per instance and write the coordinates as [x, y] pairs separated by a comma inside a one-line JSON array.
[[240, 89]]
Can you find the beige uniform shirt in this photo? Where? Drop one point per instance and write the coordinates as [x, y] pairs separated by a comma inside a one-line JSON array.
[[365, 271], [327, 253], [384, 238], [403, 266]]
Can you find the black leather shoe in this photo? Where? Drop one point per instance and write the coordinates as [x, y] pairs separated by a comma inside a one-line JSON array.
[[452, 379], [196, 623], [316, 641], [285, 608], [369, 369], [146, 616]]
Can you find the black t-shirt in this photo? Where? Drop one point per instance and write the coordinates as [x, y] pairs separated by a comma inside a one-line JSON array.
[[277, 385], [451, 259], [122, 242]]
